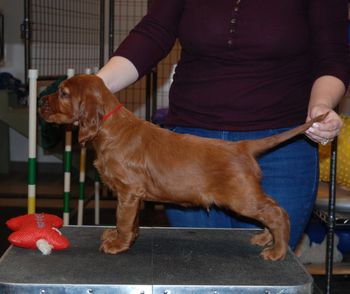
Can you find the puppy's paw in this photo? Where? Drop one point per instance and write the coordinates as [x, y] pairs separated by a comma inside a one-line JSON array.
[[273, 253], [113, 246], [109, 234], [262, 239], [114, 242]]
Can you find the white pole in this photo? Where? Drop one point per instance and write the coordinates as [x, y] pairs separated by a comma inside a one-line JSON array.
[[82, 171], [97, 199], [97, 178], [70, 73], [68, 164], [33, 76]]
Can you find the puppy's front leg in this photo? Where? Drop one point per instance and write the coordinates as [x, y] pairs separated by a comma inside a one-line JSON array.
[[127, 215]]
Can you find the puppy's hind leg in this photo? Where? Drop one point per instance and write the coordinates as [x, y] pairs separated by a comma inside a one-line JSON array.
[[276, 220], [262, 239], [256, 205]]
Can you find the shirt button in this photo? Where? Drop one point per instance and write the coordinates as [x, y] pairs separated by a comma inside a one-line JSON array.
[[233, 20], [232, 30], [230, 42]]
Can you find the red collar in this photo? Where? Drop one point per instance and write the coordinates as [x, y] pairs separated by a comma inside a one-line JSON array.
[[115, 109]]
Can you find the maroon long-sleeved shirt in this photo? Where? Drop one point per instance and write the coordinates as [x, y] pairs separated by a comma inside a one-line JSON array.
[[245, 64]]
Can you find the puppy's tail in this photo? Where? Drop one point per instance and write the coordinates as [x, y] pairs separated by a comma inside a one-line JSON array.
[[259, 146]]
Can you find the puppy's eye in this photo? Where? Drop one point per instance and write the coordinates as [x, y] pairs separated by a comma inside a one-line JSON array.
[[63, 93]]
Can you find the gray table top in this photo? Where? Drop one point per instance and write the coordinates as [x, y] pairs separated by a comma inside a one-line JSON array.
[[162, 259]]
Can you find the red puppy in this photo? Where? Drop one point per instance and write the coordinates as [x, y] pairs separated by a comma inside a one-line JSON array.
[[141, 161]]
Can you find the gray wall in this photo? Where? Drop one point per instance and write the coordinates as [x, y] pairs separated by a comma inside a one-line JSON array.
[[14, 49], [13, 63]]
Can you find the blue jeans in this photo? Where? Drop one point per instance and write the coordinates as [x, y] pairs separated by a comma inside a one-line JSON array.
[[290, 176]]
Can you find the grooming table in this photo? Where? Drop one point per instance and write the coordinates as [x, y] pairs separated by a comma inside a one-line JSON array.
[[162, 261]]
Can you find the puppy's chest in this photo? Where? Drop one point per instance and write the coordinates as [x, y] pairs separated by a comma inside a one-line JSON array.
[[109, 169]]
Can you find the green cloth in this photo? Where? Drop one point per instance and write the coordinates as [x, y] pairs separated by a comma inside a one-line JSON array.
[[51, 133]]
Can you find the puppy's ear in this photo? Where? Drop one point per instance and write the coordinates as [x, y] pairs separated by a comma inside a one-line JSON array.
[[89, 119]]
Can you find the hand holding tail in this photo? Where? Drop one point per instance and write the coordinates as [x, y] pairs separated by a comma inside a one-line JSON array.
[[324, 131]]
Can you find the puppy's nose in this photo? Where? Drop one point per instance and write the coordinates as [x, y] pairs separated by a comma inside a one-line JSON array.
[[42, 102]]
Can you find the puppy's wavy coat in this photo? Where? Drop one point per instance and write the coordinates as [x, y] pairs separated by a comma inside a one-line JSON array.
[[141, 161]]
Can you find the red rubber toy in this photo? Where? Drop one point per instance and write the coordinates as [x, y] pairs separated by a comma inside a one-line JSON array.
[[37, 231]]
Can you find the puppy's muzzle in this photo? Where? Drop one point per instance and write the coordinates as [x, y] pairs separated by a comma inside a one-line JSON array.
[[44, 107], [42, 102]]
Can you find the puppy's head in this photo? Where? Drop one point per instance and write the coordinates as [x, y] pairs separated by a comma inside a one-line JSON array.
[[78, 99]]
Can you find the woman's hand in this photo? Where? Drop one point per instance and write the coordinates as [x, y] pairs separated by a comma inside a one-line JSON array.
[[326, 93], [325, 131]]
